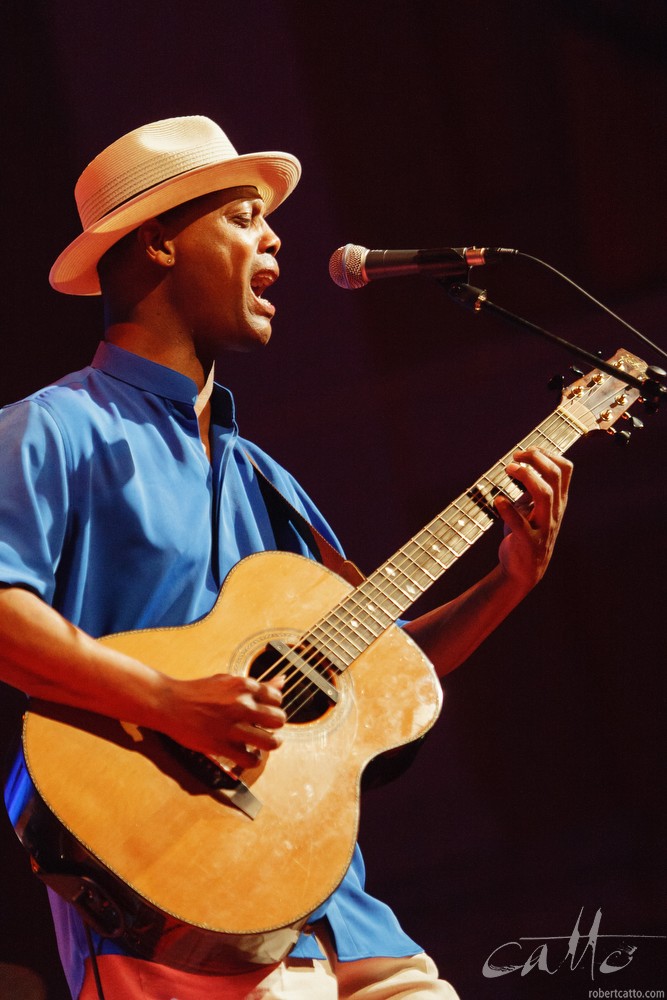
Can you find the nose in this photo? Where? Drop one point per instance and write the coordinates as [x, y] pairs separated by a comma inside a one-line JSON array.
[[270, 242]]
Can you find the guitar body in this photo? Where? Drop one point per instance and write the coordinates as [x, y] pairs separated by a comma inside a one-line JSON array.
[[245, 883]]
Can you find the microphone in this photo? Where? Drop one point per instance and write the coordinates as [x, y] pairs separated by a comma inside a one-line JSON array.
[[352, 266]]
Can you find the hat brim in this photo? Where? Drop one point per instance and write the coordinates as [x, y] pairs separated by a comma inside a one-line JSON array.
[[275, 175]]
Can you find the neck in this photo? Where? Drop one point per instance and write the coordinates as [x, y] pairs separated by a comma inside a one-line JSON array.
[[176, 353], [180, 357]]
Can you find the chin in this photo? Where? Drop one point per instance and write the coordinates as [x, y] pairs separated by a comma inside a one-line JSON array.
[[251, 339], [258, 337], [247, 344]]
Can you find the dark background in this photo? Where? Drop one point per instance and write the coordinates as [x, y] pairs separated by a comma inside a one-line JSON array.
[[537, 126]]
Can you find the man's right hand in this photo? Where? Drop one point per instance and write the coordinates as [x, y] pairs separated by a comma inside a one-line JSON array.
[[232, 717], [45, 656]]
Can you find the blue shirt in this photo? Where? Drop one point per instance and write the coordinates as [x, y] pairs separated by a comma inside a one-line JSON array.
[[111, 512]]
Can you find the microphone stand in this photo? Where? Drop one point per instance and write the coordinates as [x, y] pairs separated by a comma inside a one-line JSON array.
[[651, 390]]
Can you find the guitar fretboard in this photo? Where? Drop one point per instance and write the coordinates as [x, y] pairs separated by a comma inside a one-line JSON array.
[[384, 596]]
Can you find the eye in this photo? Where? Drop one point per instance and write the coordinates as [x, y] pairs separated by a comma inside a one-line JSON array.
[[243, 219], [245, 213]]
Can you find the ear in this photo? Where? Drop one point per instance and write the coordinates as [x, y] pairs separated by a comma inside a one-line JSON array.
[[157, 247]]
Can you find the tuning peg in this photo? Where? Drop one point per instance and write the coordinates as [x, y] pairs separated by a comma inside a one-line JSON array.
[[653, 391], [635, 422], [556, 383], [622, 437], [577, 372]]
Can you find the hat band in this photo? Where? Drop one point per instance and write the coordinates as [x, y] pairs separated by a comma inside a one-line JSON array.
[[138, 194], [121, 189]]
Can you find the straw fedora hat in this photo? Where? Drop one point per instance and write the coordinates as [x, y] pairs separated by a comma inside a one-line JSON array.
[[150, 170]]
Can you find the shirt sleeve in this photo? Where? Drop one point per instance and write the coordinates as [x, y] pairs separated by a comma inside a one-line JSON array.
[[33, 498]]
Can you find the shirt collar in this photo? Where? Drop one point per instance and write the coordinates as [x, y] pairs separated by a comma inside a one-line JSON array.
[[158, 379]]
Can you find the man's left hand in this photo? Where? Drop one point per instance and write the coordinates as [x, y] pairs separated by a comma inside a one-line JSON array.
[[533, 522]]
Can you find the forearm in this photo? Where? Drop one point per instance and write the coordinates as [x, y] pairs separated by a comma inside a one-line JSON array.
[[450, 633], [47, 657]]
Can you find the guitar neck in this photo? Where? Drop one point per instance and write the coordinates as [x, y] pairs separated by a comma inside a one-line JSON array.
[[384, 596], [410, 572], [595, 401]]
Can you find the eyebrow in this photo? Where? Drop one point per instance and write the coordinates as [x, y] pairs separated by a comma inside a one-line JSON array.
[[253, 200]]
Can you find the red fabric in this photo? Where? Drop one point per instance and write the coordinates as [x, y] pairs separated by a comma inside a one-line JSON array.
[[133, 979]]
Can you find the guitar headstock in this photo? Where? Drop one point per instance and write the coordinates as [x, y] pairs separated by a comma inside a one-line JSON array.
[[598, 400]]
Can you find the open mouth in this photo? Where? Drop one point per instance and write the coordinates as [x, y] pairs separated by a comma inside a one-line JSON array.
[[260, 282], [258, 285]]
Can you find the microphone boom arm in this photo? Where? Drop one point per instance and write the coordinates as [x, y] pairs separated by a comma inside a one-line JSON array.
[[476, 299]]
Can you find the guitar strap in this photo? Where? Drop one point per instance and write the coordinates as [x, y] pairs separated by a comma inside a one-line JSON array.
[[281, 511]]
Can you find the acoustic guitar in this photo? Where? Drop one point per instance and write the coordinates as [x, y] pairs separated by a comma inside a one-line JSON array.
[[187, 861]]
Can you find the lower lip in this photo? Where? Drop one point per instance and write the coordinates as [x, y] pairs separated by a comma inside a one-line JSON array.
[[266, 307]]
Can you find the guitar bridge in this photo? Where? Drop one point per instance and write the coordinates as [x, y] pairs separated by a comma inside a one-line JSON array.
[[211, 773]]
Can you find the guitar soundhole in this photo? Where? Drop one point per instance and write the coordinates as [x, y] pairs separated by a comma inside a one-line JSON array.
[[307, 672]]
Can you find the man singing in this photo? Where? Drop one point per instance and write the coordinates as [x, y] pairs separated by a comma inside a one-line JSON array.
[[128, 496]]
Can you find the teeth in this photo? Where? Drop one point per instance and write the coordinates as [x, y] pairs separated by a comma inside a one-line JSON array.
[[261, 283]]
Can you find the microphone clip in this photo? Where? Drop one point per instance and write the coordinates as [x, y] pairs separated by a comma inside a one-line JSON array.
[[467, 295]]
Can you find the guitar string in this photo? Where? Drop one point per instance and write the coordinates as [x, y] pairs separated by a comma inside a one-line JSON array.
[[570, 430], [463, 505], [340, 624]]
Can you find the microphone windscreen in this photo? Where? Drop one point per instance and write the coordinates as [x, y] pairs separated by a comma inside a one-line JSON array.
[[345, 266]]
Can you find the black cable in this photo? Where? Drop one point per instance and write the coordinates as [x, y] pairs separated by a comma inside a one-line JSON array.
[[93, 962], [594, 300]]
